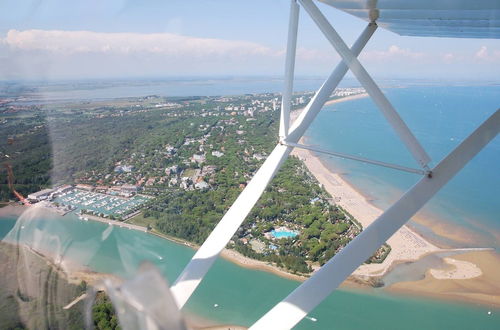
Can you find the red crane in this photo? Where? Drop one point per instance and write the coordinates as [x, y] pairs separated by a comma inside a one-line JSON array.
[[10, 180]]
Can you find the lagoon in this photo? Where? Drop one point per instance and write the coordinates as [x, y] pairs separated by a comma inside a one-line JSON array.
[[242, 295]]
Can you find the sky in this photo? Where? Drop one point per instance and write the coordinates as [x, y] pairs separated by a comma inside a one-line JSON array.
[[86, 39]]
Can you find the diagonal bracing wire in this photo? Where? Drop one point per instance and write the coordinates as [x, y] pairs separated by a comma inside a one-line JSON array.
[[368, 83], [309, 294]]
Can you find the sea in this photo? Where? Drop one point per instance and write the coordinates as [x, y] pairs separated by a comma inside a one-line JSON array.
[[467, 209], [440, 115]]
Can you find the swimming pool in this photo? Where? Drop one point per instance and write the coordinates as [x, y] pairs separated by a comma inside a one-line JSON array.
[[283, 234]]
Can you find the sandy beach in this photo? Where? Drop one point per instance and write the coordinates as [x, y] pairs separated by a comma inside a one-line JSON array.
[[12, 209], [408, 245], [243, 261]]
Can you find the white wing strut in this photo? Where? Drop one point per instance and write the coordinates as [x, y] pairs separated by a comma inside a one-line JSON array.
[[286, 99], [309, 294], [201, 262]]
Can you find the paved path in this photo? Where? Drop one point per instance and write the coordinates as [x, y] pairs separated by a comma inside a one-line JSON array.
[[77, 299]]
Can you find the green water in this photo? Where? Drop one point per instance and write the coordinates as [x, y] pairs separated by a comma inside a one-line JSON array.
[[242, 295]]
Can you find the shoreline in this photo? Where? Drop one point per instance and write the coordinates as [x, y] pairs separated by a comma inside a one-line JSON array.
[[407, 244], [234, 256], [230, 255], [364, 283]]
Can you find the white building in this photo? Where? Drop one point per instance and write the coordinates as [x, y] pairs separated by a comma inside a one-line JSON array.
[[40, 195], [201, 185], [64, 188], [217, 153], [198, 158]]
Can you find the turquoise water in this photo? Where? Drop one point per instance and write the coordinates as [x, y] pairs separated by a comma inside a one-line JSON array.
[[440, 117], [242, 295], [283, 234]]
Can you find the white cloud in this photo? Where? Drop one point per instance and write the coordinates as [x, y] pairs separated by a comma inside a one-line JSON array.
[[448, 57], [315, 55], [483, 54], [71, 42], [392, 53], [87, 53], [55, 54]]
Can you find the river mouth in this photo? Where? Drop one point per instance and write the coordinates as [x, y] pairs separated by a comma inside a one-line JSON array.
[[416, 270]]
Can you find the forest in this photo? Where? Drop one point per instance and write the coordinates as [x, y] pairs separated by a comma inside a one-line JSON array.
[[204, 142]]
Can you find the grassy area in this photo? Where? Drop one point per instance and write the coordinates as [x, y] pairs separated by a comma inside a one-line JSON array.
[[140, 220], [189, 172]]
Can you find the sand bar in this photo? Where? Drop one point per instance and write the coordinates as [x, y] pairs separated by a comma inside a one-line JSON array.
[[468, 270], [483, 289]]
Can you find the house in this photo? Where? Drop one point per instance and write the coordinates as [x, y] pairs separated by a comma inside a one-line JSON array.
[[124, 168], [258, 156], [217, 153], [314, 200], [208, 170], [173, 182], [201, 185], [172, 170], [101, 189], [198, 158], [85, 187], [129, 188]]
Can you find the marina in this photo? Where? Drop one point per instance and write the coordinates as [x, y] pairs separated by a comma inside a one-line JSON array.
[[102, 205]]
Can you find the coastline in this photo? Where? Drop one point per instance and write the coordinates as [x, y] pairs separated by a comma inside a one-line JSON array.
[[230, 255], [407, 244]]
